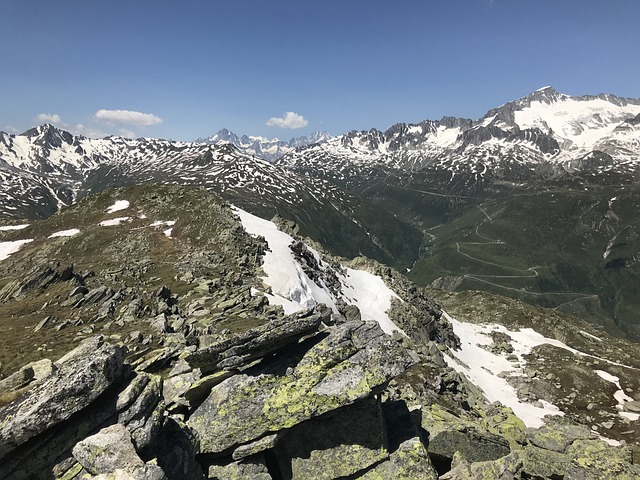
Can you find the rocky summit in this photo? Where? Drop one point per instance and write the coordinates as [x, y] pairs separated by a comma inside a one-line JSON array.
[[158, 332]]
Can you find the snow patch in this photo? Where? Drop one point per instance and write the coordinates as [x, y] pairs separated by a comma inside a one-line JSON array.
[[119, 205], [283, 274], [620, 396], [371, 295], [65, 233], [114, 221], [587, 334], [13, 227], [7, 248]]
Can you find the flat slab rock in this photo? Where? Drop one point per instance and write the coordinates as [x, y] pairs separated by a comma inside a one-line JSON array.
[[350, 362]]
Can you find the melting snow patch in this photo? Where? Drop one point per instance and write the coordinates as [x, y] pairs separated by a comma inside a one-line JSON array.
[[372, 296], [114, 221], [119, 205], [13, 227], [295, 291], [283, 274], [620, 396], [162, 223], [7, 248], [65, 233], [587, 334], [483, 367]]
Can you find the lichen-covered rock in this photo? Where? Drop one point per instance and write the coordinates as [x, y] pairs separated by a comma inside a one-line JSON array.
[[474, 445], [79, 379], [410, 461], [505, 468], [253, 467], [109, 449], [408, 458], [177, 385], [258, 446], [149, 471], [593, 459], [449, 434], [556, 435], [501, 421], [176, 448], [335, 445], [319, 375], [542, 463]]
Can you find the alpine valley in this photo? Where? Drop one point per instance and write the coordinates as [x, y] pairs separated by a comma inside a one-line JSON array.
[[451, 299]]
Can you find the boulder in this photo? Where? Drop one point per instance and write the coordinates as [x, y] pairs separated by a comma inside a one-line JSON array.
[[176, 448], [448, 434], [80, 378], [255, 343], [409, 461], [109, 449], [350, 362], [144, 416], [557, 434]]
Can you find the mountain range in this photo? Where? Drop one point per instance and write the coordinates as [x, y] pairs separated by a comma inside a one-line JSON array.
[[536, 200], [262, 147]]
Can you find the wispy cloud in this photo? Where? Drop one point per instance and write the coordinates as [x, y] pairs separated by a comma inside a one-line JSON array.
[[10, 129], [290, 120], [52, 118], [127, 117]]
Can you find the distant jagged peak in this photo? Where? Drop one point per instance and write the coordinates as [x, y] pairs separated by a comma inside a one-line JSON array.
[[49, 135], [262, 147]]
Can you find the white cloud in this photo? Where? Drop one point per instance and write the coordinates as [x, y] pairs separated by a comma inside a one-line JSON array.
[[290, 120], [127, 117], [52, 118]]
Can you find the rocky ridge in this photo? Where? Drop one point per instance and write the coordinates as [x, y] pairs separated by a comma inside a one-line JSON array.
[[186, 369]]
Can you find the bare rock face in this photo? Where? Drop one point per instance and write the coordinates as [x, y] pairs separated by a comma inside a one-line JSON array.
[[78, 379]]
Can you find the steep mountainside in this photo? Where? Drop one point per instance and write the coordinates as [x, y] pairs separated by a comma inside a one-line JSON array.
[[537, 200], [157, 332]]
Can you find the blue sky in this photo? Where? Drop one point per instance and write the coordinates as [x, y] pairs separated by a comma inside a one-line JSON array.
[[185, 69]]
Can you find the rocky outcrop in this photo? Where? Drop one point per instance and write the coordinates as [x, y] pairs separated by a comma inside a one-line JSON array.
[[325, 373]]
